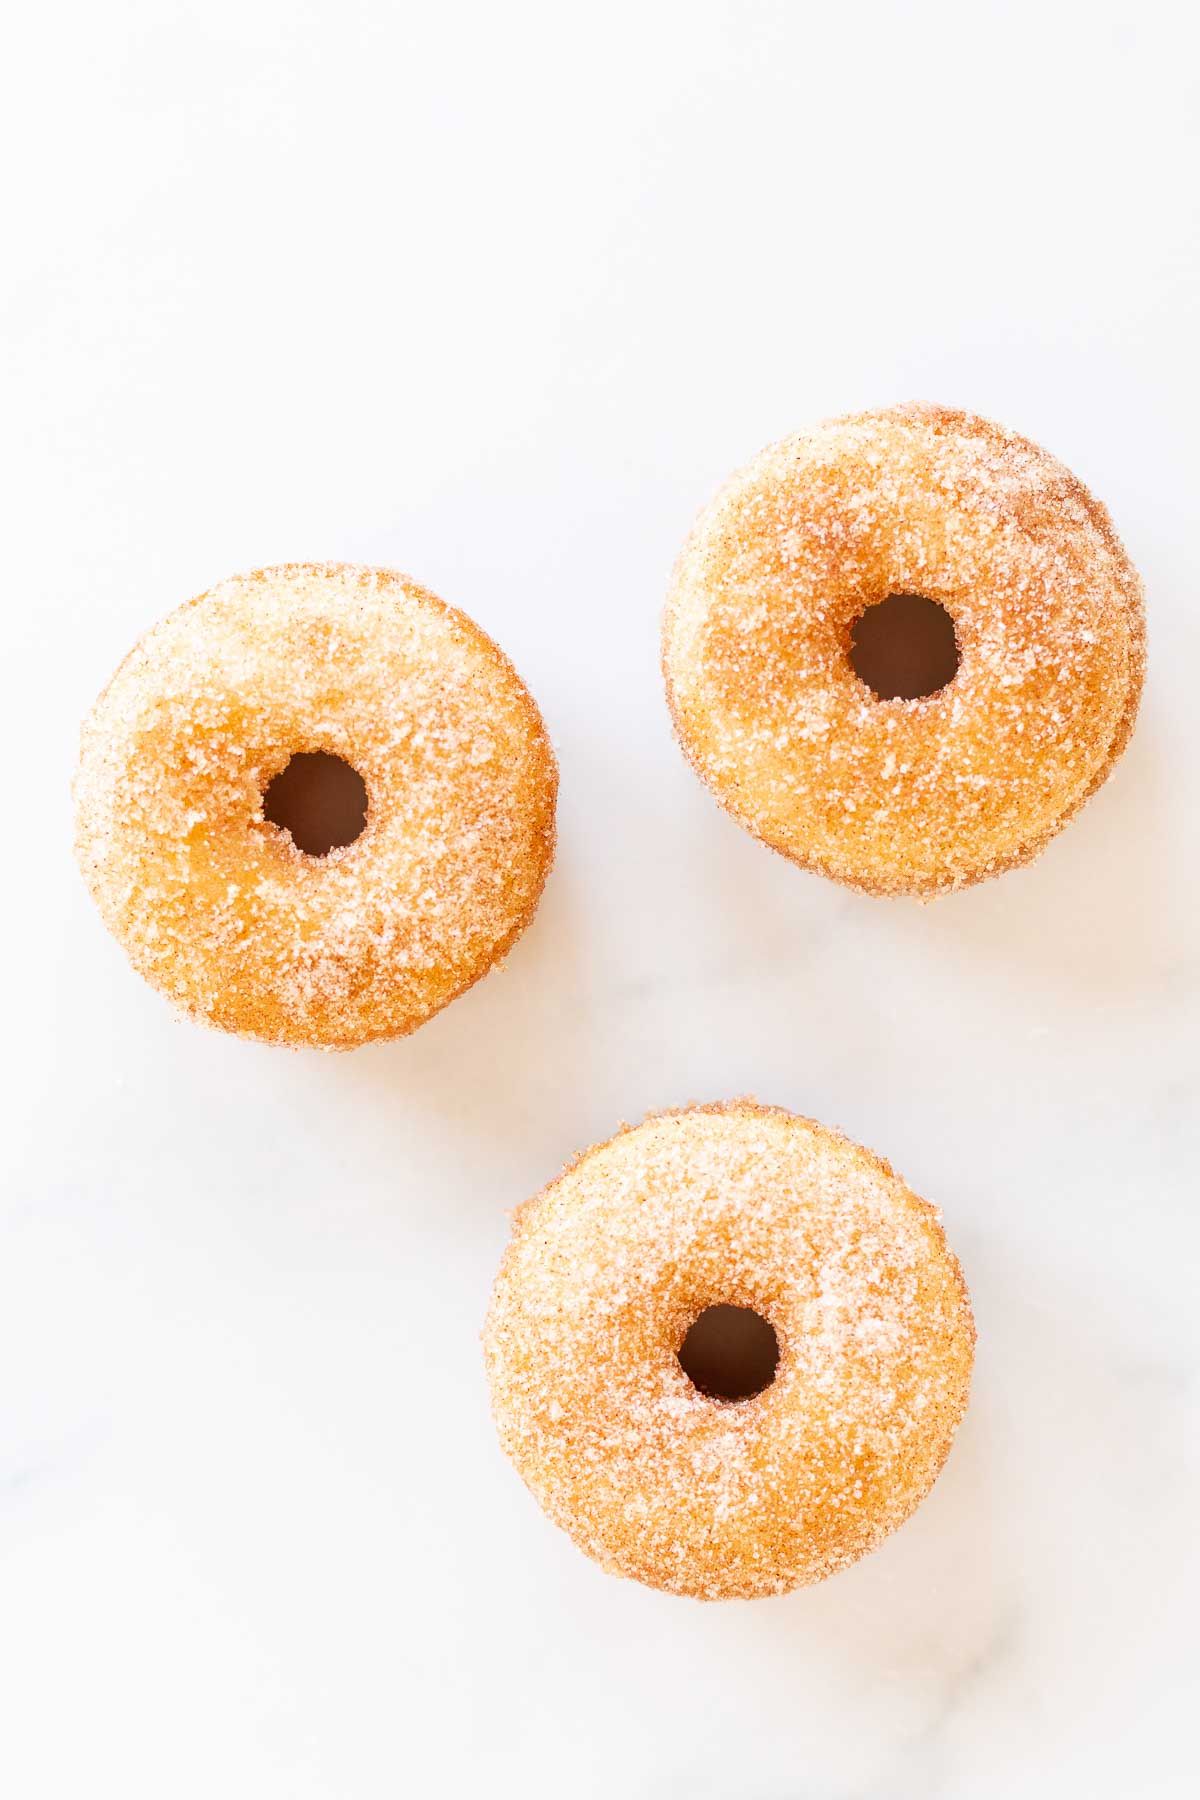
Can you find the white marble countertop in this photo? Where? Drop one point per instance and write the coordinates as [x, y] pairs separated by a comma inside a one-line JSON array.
[[497, 295]]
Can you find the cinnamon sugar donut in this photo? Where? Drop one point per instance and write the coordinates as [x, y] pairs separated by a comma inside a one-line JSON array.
[[904, 788], [186, 824], [660, 1462]]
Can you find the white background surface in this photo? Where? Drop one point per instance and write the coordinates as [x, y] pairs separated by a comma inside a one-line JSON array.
[[497, 295]]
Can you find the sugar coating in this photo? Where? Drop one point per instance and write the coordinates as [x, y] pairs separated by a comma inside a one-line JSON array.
[[609, 1266], [904, 796], [215, 905]]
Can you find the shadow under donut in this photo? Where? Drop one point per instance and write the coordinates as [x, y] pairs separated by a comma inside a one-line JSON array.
[[492, 1067], [1101, 908]]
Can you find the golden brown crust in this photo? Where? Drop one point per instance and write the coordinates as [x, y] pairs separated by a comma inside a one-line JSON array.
[[747, 1205], [215, 905], [904, 797]]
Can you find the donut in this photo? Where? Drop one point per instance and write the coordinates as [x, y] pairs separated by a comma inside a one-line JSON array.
[[431, 786], [904, 648], [728, 1350]]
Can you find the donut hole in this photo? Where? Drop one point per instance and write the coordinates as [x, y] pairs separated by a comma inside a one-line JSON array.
[[730, 1353], [904, 647], [319, 800]]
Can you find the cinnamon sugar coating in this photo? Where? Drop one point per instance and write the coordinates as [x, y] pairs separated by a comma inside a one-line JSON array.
[[609, 1266], [904, 796], [215, 905]]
